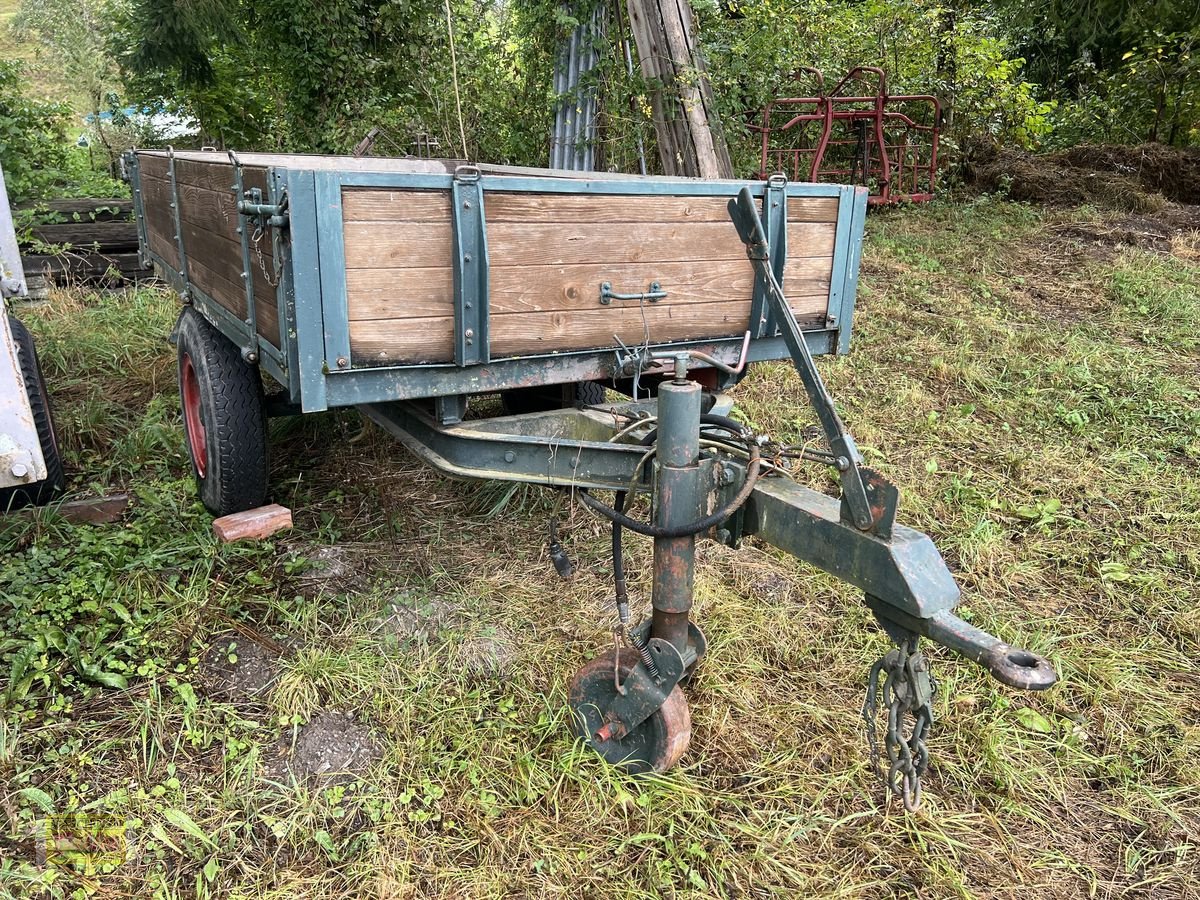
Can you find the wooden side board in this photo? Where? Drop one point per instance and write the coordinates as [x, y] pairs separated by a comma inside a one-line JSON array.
[[208, 221], [549, 254]]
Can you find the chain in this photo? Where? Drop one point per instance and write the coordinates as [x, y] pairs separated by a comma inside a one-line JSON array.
[[256, 240], [907, 686]]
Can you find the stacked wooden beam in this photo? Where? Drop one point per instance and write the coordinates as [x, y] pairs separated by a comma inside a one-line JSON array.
[[93, 240]]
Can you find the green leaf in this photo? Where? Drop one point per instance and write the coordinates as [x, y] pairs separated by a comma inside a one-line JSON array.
[[108, 679], [184, 823], [1034, 720], [211, 868], [159, 832], [323, 838], [39, 797]]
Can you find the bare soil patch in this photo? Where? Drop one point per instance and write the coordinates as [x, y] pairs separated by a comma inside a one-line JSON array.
[[332, 748], [236, 667]]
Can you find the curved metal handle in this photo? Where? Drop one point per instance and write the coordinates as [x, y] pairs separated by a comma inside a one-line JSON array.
[[653, 294]]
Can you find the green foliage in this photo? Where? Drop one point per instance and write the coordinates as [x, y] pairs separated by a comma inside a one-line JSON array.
[[1154, 95], [73, 33], [33, 140], [314, 76], [965, 57], [1122, 71]]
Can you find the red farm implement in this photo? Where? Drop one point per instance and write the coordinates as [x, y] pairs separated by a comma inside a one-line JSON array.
[[855, 133]]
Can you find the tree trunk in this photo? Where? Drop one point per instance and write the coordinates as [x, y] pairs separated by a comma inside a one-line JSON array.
[[690, 140]]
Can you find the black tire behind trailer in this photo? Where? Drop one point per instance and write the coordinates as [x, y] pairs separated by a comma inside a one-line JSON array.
[[41, 492], [224, 420], [553, 396]]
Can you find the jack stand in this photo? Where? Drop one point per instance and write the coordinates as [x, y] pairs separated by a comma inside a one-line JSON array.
[[633, 714]]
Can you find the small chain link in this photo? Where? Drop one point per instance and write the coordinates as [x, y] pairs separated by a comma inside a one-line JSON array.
[[256, 240], [907, 687]]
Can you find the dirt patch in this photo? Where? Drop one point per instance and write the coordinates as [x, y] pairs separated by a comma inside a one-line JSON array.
[[236, 667], [331, 570], [1160, 232], [1139, 178], [332, 748]]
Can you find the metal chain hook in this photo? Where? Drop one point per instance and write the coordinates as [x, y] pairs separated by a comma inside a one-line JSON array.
[[902, 676]]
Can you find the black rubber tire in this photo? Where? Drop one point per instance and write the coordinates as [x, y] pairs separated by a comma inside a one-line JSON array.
[[226, 400], [548, 397], [39, 493]]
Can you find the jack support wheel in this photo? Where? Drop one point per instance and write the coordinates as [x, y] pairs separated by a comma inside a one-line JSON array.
[[654, 746]]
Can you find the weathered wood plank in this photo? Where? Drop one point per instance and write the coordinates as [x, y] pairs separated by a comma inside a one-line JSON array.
[[422, 292], [419, 244], [430, 340], [160, 220], [206, 215], [224, 256], [218, 274], [89, 265], [106, 235], [377, 205], [152, 164], [231, 296], [381, 205], [218, 175]]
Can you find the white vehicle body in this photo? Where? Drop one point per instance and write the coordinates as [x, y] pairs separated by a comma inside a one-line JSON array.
[[21, 460]]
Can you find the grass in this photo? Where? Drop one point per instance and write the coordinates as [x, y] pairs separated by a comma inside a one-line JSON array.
[[1035, 397]]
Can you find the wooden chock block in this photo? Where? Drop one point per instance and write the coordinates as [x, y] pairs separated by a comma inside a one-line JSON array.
[[253, 524]]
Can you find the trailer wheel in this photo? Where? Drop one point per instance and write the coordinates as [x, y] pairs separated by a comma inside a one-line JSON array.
[[654, 746], [223, 417], [41, 492], [548, 397]]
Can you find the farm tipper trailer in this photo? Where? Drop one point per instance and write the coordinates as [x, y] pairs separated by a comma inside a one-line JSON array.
[[407, 287]]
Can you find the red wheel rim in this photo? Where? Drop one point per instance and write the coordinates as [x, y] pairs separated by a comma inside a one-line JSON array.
[[194, 424]]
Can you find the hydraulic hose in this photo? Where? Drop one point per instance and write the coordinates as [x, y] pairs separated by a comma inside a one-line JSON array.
[[620, 520]]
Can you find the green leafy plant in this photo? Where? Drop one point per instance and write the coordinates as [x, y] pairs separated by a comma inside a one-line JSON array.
[[33, 140]]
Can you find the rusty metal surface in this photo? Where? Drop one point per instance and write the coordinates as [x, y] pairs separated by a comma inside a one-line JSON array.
[[679, 500], [656, 743]]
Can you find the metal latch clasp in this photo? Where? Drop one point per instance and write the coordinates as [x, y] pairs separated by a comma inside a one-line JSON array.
[[253, 207], [653, 294]]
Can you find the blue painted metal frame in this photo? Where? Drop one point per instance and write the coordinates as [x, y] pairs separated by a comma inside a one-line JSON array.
[[175, 214], [674, 187], [471, 264], [848, 276], [413, 382], [774, 216], [244, 237], [285, 293], [336, 310], [139, 210], [306, 299]]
